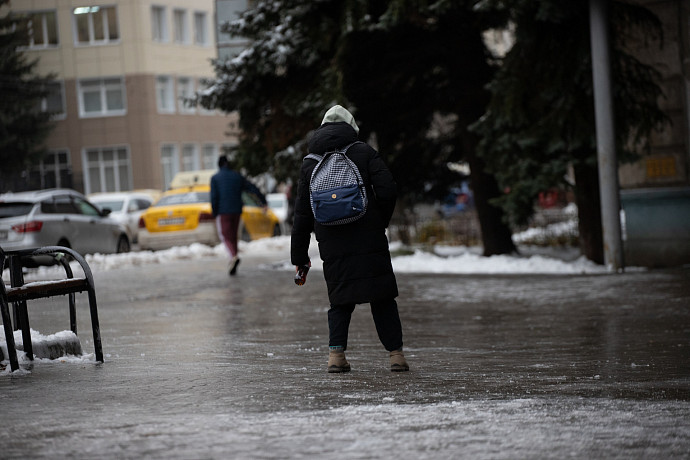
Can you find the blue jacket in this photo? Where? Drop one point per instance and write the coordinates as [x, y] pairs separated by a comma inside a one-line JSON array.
[[226, 191]]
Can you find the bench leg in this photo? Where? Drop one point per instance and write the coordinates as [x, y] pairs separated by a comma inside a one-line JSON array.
[[95, 326], [20, 308], [9, 334], [26, 330], [72, 308], [72, 314]]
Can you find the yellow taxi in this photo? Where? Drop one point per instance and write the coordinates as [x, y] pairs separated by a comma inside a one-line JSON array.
[[183, 216]]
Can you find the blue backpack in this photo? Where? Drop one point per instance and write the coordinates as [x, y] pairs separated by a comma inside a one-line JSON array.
[[337, 192]]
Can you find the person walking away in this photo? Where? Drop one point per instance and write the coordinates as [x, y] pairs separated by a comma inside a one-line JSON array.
[[356, 259], [227, 186]]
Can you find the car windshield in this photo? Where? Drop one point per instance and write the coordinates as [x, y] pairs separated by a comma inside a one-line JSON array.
[[115, 205], [15, 209], [185, 198], [249, 199], [275, 202]]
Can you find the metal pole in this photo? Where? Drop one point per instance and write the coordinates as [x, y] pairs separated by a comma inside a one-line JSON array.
[[606, 136]]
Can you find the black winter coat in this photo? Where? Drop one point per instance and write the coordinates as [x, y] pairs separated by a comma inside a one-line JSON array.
[[356, 261]]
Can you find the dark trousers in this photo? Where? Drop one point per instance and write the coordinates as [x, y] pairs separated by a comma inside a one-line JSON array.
[[386, 319], [227, 225]]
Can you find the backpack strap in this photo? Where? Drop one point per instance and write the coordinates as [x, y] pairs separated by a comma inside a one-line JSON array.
[[314, 156], [346, 148], [355, 142], [317, 157]]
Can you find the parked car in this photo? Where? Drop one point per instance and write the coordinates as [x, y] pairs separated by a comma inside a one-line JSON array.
[[278, 202], [458, 200], [61, 217], [191, 178], [183, 216], [125, 207], [256, 221]]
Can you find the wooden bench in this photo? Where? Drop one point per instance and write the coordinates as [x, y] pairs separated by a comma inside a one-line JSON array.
[[19, 292]]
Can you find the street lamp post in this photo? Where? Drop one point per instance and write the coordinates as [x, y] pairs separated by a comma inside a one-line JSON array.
[[606, 135]]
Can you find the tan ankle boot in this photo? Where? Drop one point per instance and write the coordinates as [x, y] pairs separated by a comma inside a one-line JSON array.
[[398, 362], [337, 362]]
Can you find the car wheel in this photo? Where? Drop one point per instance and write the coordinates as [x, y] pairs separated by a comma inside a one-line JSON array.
[[276, 230], [123, 244]]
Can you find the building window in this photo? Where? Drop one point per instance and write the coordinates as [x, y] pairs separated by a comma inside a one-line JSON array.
[[169, 163], [190, 158], [53, 171], [108, 169], [165, 96], [41, 29], [208, 156], [54, 101], [159, 26], [200, 28], [95, 25], [185, 91], [180, 28], [101, 97]]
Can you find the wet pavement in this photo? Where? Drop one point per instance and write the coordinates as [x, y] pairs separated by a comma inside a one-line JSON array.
[[198, 365]]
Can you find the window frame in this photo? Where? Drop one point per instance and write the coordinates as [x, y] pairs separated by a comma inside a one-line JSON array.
[[107, 40], [61, 114], [51, 165], [29, 17], [165, 103], [161, 29], [190, 151], [180, 35], [203, 33], [103, 93], [113, 165], [209, 155], [185, 88], [170, 164]]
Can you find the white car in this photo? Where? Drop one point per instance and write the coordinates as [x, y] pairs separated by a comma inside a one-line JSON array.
[[125, 207], [58, 217], [278, 202]]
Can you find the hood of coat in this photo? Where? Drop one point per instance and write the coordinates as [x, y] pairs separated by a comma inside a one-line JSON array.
[[330, 136], [340, 113]]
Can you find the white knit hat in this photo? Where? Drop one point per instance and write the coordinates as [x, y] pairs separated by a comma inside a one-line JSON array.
[[340, 113]]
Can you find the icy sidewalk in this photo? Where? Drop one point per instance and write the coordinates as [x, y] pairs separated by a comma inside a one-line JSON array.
[[200, 365]]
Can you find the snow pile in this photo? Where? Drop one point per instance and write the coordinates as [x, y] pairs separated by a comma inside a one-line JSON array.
[[468, 262], [443, 259], [64, 345], [550, 232], [439, 259]]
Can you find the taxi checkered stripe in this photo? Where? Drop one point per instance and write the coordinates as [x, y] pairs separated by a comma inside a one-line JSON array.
[[335, 169]]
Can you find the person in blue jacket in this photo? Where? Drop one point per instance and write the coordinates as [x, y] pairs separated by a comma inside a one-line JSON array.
[[226, 202]]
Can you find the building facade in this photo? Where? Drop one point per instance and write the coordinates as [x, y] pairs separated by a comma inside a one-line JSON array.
[[655, 191], [667, 162], [124, 69]]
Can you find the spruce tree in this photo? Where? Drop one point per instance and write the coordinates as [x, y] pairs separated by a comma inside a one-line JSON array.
[[388, 62], [23, 125], [540, 121]]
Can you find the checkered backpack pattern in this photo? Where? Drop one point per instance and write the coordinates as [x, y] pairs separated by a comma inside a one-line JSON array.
[[337, 192]]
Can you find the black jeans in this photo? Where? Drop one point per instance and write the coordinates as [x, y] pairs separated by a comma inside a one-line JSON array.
[[386, 319]]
